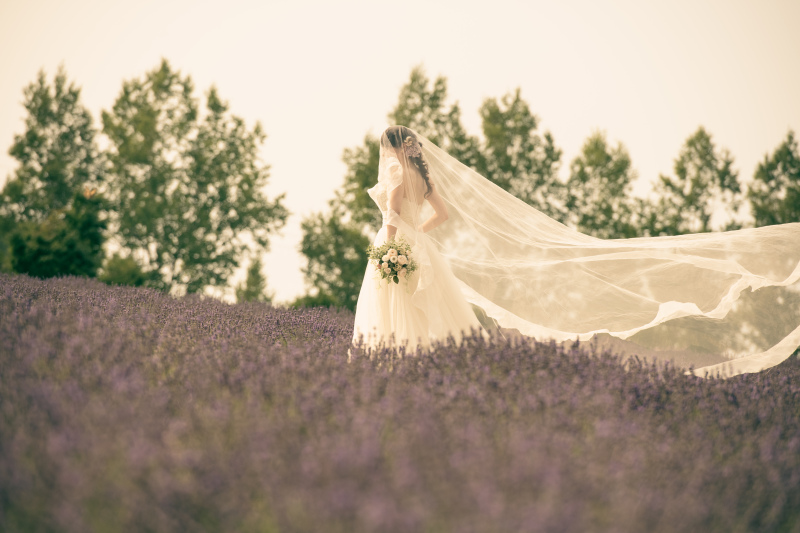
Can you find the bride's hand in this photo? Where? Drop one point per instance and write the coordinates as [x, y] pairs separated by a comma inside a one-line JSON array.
[[419, 229]]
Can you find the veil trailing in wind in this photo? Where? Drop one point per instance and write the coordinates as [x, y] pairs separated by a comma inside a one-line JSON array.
[[734, 295]]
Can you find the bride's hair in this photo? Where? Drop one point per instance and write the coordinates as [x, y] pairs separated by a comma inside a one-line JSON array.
[[397, 137]]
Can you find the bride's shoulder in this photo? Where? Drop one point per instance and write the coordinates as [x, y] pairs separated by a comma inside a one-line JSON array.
[[389, 160]]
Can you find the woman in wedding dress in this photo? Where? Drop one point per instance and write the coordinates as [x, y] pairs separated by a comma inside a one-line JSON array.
[[727, 296], [428, 305]]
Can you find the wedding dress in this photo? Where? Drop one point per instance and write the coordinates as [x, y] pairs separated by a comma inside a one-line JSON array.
[[730, 296], [429, 304]]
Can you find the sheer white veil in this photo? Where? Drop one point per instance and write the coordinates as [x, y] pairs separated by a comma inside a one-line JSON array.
[[734, 294]]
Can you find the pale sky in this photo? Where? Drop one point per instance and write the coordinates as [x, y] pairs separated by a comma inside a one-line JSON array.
[[320, 75]]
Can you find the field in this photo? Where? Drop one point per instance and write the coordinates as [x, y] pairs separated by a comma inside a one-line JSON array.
[[124, 409]]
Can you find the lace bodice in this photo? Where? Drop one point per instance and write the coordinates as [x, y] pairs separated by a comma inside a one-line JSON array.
[[409, 211], [393, 174]]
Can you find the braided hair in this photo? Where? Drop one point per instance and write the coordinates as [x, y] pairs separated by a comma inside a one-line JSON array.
[[397, 137]]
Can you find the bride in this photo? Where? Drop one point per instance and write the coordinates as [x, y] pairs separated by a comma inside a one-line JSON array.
[[732, 297], [428, 305]]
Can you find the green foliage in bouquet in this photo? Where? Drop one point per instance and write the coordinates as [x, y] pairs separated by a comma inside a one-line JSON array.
[[392, 260]]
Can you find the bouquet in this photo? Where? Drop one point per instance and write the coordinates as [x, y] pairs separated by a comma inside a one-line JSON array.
[[392, 260]]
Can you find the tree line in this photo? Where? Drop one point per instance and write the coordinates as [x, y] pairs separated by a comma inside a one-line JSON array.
[[177, 191], [703, 193]]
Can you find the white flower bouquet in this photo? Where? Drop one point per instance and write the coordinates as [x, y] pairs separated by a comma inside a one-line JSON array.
[[392, 260]]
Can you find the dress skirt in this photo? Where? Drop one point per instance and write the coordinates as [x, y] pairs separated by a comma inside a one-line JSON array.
[[427, 307]]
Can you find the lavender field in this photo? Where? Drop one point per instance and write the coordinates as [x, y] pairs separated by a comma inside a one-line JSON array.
[[127, 410]]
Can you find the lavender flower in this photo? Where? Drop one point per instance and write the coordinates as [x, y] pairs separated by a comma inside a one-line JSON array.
[[126, 409]]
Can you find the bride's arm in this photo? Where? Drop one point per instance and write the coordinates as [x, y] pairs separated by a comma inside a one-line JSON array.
[[395, 203], [440, 211]]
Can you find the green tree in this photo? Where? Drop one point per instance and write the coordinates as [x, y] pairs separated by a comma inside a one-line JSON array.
[[599, 201], [69, 241], [705, 186], [362, 173], [123, 270], [319, 299], [421, 107], [56, 155], [186, 189], [7, 227], [336, 250], [254, 288], [342, 234], [775, 192], [520, 160]]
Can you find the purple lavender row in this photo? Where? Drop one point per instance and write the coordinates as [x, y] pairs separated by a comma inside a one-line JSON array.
[[124, 409]]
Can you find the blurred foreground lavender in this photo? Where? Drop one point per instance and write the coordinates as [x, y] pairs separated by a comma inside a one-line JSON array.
[[126, 410]]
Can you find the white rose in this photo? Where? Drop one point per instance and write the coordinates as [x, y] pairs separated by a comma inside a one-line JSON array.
[[385, 258], [392, 252], [402, 273], [402, 260], [387, 270], [385, 265], [393, 259]]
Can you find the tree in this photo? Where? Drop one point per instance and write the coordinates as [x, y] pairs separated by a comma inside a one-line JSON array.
[[254, 288], [56, 155], [337, 258], [599, 189], [703, 195], [68, 242], [7, 226], [343, 233], [421, 107], [362, 172], [123, 270], [186, 190], [518, 159], [775, 192], [320, 299]]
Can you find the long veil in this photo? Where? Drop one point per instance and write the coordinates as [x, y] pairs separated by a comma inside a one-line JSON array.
[[734, 295]]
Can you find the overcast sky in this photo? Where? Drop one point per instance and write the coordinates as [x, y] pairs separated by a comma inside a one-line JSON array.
[[320, 75]]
